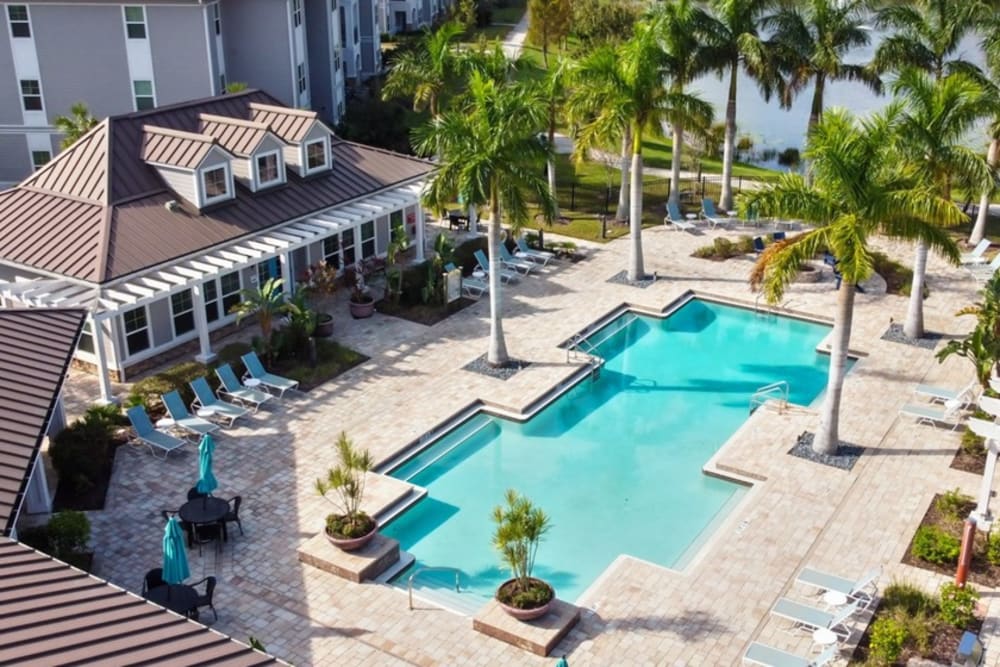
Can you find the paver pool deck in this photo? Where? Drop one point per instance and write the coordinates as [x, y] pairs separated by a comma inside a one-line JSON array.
[[638, 613]]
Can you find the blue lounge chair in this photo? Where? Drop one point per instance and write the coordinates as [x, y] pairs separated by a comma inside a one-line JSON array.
[[758, 244], [542, 257], [204, 398], [927, 414], [511, 262], [269, 381], [484, 264], [149, 435], [231, 386], [184, 419], [768, 656], [811, 618], [967, 394], [712, 216], [676, 219]]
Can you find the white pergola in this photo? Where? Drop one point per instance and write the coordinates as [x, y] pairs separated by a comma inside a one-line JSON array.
[[106, 301]]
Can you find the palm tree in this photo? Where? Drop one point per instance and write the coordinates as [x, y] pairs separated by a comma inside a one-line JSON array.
[[267, 302], [811, 40], [490, 156], [934, 118], [679, 25], [75, 125], [732, 42], [555, 88], [991, 46], [858, 190], [425, 73]]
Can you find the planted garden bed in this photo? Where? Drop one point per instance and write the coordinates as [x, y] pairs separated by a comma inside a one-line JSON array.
[[971, 455], [422, 313]]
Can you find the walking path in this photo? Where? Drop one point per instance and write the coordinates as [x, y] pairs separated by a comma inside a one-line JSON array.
[[515, 38]]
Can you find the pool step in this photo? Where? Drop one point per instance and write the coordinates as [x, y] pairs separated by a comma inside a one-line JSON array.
[[463, 603], [401, 505], [405, 560]]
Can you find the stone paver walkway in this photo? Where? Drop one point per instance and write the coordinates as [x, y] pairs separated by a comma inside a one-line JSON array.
[[639, 613]]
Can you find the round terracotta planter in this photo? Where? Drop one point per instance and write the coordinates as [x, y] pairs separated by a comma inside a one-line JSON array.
[[350, 543], [362, 310], [324, 326], [526, 614]]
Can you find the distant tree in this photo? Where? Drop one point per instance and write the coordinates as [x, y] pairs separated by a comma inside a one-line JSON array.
[[602, 21], [236, 87], [75, 125], [549, 22], [464, 13]]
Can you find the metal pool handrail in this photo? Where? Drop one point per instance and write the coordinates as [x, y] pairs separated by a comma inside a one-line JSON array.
[[446, 452], [579, 340], [760, 396], [409, 582]]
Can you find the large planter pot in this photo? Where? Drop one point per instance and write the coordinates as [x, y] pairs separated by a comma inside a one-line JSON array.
[[350, 543], [324, 325], [526, 614], [362, 309], [808, 274]]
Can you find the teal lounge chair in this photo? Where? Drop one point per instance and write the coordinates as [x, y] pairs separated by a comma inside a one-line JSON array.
[[811, 618], [542, 257], [184, 419], [484, 264], [676, 219], [967, 394], [229, 385], [927, 414], [204, 398], [511, 262], [149, 435], [768, 656], [272, 382], [712, 216]]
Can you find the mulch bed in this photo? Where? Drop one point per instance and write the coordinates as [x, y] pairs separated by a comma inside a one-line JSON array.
[[68, 498], [423, 313], [944, 642], [974, 463], [981, 572]]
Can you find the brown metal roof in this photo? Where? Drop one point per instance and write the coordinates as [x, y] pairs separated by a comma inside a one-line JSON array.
[[174, 148], [37, 347], [80, 170], [71, 236], [238, 136], [53, 614]]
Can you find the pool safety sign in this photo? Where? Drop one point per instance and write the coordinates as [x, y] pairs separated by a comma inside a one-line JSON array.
[[453, 285]]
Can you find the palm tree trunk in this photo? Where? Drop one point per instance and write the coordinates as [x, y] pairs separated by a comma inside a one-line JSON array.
[[675, 164], [914, 326], [623, 189], [551, 167], [726, 200], [979, 229], [497, 354], [815, 114], [635, 268], [828, 436]]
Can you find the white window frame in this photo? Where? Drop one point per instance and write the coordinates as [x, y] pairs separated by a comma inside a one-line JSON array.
[[215, 304], [326, 155], [279, 163], [217, 18], [203, 189], [35, 165], [26, 21], [362, 239], [224, 314], [300, 78], [126, 333], [174, 314], [128, 22], [136, 95], [296, 13], [25, 96]]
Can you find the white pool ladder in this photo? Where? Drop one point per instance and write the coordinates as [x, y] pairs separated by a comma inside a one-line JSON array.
[[409, 582], [779, 389]]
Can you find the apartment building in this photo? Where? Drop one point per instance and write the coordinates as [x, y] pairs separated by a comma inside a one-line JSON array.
[[119, 57]]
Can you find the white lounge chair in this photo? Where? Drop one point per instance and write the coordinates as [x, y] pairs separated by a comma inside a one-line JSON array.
[[928, 414], [230, 386], [677, 220], [542, 257], [811, 618], [185, 420], [977, 254], [474, 287], [204, 398], [768, 656], [511, 262], [966, 395], [983, 272], [269, 381], [862, 591], [149, 435]]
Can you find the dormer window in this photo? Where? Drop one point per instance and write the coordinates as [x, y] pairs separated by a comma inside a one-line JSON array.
[[269, 170], [316, 156], [215, 183]]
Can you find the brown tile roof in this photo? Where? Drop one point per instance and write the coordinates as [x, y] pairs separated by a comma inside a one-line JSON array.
[[51, 229], [37, 347], [238, 136], [53, 614], [174, 148]]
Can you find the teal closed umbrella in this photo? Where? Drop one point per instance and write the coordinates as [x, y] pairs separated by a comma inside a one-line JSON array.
[[206, 479], [175, 562], [562, 662]]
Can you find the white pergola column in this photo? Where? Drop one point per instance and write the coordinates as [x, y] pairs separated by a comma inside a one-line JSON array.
[[205, 355], [103, 378], [990, 431], [420, 233], [285, 260]]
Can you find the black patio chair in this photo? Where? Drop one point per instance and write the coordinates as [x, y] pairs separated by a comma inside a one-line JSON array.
[[206, 533], [206, 599], [153, 579], [233, 515]]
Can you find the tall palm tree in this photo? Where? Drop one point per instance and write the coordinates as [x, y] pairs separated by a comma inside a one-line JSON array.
[[680, 25], [858, 190], [490, 156], [991, 46], [426, 72], [935, 117], [733, 42], [75, 125], [555, 88], [812, 38]]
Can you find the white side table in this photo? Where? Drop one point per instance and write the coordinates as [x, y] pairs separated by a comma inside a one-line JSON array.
[[205, 413], [691, 216], [824, 637], [165, 422], [833, 599], [252, 383]]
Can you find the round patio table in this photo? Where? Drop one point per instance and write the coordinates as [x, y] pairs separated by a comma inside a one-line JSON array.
[[208, 509], [180, 598]]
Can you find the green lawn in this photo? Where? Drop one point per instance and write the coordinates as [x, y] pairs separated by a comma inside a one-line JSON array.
[[511, 12]]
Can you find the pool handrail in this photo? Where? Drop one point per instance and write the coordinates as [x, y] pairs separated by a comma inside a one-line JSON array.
[[439, 568]]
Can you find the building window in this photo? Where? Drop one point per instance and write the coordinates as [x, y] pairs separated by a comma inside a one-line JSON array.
[[340, 110], [217, 18], [86, 342], [136, 330], [229, 285], [347, 247], [300, 76], [343, 26], [315, 155], [210, 292], [297, 12], [367, 239], [144, 98], [31, 94], [331, 251], [268, 171], [222, 83], [40, 158], [135, 22], [19, 24], [216, 183], [182, 308]]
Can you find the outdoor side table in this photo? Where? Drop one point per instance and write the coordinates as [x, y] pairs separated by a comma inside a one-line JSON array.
[[165, 422], [252, 383], [823, 637], [205, 413], [833, 599], [207, 509], [180, 598]]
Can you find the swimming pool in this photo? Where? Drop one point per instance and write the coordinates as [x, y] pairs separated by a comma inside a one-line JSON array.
[[615, 461]]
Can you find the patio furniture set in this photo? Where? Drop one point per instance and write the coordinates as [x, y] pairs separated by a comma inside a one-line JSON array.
[[511, 268]]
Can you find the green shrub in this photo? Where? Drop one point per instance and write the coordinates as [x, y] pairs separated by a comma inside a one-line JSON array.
[[110, 416], [149, 390], [919, 627], [909, 598], [993, 549], [465, 256], [744, 244], [934, 545], [958, 605], [972, 444], [69, 532], [704, 252], [36, 537], [888, 637], [80, 453], [952, 503]]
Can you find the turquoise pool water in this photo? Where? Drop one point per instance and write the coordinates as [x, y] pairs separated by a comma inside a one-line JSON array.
[[615, 462]]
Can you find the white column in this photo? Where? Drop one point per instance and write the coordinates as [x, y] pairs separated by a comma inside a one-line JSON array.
[[420, 233], [205, 355], [982, 511], [285, 259], [103, 378]]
